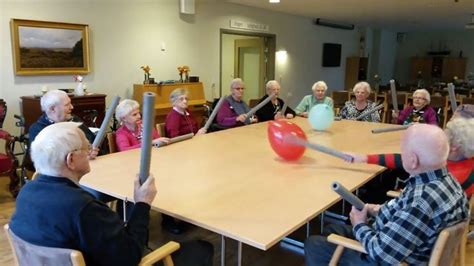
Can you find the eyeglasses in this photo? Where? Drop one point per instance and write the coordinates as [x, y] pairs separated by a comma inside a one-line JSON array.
[[419, 98], [239, 88]]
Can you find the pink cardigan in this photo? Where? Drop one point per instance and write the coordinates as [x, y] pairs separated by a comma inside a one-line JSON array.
[[125, 140]]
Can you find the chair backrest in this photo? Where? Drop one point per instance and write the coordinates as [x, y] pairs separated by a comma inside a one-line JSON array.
[[440, 104], [448, 244], [253, 102], [467, 100], [160, 127], [3, 112], [339, 98], [111, 142], [25, 253]]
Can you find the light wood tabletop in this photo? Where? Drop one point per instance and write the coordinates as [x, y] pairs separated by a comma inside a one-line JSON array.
[[232, 183]]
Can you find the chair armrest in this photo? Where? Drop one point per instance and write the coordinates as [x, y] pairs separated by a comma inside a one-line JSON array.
[[160, 253], [393, 193], [346, 242]]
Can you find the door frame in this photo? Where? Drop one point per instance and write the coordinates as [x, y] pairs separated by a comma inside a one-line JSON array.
[[270, 44]]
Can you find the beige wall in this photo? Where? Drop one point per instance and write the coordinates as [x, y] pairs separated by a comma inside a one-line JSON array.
[[127, 34]]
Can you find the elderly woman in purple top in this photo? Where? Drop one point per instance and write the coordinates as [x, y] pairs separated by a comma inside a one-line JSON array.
[[419, 112], [233, 111]]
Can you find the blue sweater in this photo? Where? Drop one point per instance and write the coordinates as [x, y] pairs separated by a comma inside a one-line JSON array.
[[56, 212]]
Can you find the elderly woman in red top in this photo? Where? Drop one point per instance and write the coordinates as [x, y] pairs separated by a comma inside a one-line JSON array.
[[180, 121], [129, 135]]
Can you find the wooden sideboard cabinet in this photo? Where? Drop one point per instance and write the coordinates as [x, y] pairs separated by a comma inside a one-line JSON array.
[[86, 107], [163, 105], [356, 70], [441, 68]]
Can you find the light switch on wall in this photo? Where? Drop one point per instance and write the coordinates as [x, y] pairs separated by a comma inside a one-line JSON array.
[[163, 46]]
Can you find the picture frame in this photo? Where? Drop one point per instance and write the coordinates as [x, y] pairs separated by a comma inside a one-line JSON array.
[[49, 48]]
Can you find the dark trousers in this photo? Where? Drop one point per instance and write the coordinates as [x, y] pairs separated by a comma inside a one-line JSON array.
[[318, 251], [193, 253]]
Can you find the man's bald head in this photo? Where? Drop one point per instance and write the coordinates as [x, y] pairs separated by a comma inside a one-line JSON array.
[[424, 148]]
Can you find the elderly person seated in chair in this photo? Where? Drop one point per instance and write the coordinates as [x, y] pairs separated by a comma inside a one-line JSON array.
[[419, 112], [180, 120], [461, 154], [56, 106], [353, 108], [129, 135], [233, 112], [405, 228], [318, 97], [54, 211], [272, 110]]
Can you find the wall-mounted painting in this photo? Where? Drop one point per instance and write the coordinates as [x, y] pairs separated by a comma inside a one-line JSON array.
[[48, 48]]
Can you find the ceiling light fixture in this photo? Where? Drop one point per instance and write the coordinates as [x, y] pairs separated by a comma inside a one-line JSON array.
[[274, 1]]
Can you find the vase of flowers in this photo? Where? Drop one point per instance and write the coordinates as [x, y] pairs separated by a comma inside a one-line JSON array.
[[146, 69], [184, 70], [79, 91]]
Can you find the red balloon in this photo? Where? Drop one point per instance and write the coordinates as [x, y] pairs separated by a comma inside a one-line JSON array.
[[276, 132]]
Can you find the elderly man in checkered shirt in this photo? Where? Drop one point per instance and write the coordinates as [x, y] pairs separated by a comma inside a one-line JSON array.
[[406, 228]]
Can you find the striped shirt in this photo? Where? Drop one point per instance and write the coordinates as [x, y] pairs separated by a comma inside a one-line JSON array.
[[406, 228]]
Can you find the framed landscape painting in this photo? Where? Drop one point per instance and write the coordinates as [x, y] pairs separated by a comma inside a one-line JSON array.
[[48, 48]]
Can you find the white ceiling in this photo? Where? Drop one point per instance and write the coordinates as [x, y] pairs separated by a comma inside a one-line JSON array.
[[395, 15]]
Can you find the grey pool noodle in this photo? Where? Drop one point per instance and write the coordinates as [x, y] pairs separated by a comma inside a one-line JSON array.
[[181, 138], [298, 141], [389, 129], [283, 109], [260, 105], [214, 112], [452, 97], [337, 118], [347, 196], [103, 127], [394, 95], [364, 114], [148, 121]]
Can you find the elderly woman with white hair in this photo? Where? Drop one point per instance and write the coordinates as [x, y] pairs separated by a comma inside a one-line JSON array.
[[353, 108], [272, 110], [180, 120], [419, 112], [129, 135], [233, 111], [318, 97]]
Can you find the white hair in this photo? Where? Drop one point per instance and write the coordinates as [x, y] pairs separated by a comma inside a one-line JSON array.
[[460, 132], [362, 85], [52, 145], [176, 93], [124, 108], [236, 82], [425, 94], [270, 84], [320, 84], [52, 98]]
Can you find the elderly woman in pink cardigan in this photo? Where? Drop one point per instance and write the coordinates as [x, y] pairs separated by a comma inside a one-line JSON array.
[[129, 135]]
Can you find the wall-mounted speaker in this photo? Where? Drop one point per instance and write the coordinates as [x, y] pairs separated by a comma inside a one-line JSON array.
[[186, 6], [401, 37]]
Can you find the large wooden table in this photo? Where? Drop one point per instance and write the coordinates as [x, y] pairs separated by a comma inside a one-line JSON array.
[[232, 183]]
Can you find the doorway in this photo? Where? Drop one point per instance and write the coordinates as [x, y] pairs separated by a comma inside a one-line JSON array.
[[249, 56]]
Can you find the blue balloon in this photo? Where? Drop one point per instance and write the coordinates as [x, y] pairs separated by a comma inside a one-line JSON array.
[[321, 116]]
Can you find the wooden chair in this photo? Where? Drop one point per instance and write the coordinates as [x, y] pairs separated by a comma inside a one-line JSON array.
[[253, 102], [111, 142], [25, 253], [402, 99], [441, 106], [160, 127], [444, 251], [467, 100], [339, 98]]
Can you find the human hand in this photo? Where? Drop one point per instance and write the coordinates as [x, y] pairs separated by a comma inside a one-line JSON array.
[[357, 216], [357, 158], [395, 114], [93, 152], [241, 118], [278, 115], [304, 114], [201, 131], [373, 209], [161, 141], [289, 116], [253, 119], [146, 192]]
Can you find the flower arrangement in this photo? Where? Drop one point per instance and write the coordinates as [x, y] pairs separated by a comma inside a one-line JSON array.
[[184, 70], [79, 88], [146, 69]]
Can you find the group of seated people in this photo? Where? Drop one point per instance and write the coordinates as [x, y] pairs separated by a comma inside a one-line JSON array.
[[55, 211]]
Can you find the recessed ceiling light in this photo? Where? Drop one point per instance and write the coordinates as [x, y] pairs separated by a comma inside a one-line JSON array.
[[274, 1]]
